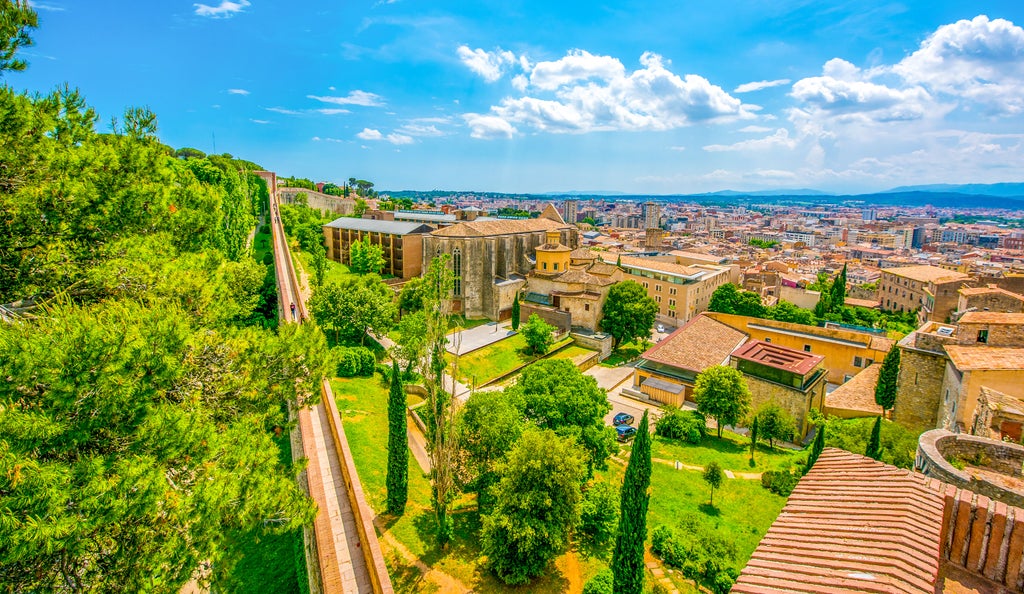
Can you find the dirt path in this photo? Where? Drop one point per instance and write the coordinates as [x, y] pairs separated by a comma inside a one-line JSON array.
[[443, 581], [570, 566]]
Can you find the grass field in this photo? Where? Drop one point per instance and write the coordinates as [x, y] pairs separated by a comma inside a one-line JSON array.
[[732, 452], [495, 360]]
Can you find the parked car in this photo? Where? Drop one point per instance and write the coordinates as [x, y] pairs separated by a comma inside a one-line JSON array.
[[622, 419], [625, 432], [661, 328]]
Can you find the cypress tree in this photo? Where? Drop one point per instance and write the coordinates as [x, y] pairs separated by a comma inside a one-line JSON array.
[[515, 313], [398, 446], [816, 448], [753, 439], [875, 443], [839, 289], [885, 389], [628, 556]]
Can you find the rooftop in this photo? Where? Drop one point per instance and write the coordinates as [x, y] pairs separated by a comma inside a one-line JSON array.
[[778, 356], [700, 343], [926, 274], [992, 317], [858, 394], [991, 289], [851, 525], [500, 227], [660, 266], [977, 358], [372, 226]]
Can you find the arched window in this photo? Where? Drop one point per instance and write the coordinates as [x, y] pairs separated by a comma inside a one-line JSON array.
[[457, 270]]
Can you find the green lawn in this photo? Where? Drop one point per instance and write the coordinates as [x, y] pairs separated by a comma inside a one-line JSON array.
[[336, 271], [461, 323], [261, 245], [497, 359], [571, 352], [362, 403], [732, 452]]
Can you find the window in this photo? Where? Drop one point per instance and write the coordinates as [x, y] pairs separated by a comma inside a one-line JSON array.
[[767, 339], [556, 265], [671, 302], [586, 307], [457, 270], [645, 285], [983, 336], [672, 290], [658, 298], [868, 362], [545, 264], [657, 288], [807, 348], [858, 362]]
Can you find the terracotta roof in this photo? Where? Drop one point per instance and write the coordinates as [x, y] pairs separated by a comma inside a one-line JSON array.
[[583, 253], [857, 394], [851, 525], [989, 290], [992, 317], [576, 275], [970, 358], [500, 227], [927, 274], [553, 247], [700, 343], [868, 303], [602, 268], [666, 267], [778, 356]]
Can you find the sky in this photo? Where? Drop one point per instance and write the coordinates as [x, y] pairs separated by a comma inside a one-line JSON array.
[[654, 97]]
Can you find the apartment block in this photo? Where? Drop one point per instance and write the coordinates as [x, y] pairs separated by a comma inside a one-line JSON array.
[[931, 290]]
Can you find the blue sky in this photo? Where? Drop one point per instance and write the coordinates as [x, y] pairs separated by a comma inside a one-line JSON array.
[[523, 96]]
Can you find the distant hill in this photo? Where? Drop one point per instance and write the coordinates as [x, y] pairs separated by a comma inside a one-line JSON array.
[[795, 192], [1008, 189], [583, 193]]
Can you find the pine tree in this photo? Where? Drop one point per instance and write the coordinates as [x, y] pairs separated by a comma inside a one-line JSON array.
[[515, 313], [875, 443], [398, 446], [885, 389], [816, 448], [753, 439], [628, 556]]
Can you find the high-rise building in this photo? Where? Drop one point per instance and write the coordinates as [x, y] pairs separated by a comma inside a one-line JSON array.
[[569, 213], [651, 214]]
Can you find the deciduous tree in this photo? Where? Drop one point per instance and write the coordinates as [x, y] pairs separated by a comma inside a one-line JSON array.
[[366, 257], [628, 312], [721, 393], [538, 334], [775, 422], [713, 476], [489, 426], [354, 308]]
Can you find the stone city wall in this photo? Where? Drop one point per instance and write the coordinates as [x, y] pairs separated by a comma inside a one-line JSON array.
[[1005, 458]]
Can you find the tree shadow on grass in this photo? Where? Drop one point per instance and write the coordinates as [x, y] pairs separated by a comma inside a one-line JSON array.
[[710, 510], [465, 542]]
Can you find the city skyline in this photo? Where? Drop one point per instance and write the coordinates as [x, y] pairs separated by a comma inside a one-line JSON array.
[[525, 97]]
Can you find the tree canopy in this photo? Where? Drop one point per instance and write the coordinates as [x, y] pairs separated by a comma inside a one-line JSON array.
[[354, 308], [730, 299], [538, 334], [366, 257], [628, 312], [721, 393]]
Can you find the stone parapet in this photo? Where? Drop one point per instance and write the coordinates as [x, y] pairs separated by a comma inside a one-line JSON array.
[[1005, 458]]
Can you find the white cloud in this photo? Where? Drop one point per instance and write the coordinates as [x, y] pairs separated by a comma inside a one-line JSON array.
[[400, 139], [780, 139], [596, 93], [332, 111], [846, 92], [756, 129], [283, 110], [361, 98], [47, 7], [259, 121], [759, 85], [370, 134], [577, 65], [237, 92], [489, 65], [327, 139], [488, 126], [979, 60], [223, 10], [420, 130]]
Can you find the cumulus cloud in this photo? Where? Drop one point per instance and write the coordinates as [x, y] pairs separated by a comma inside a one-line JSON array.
[[490, 65], [780, 139], [370, 134], [587, 93], [760, 85], [393, 138], [223, 10], [845, 90], [980, 60], [361, 98], [238, 92]]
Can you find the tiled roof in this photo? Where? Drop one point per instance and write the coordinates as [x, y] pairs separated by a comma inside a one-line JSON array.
[[666, 267], [868, 303], [928, 273], [602, 268], [583, 253], [700, 343], [851, 525], [970, 358], [373, 226], [575, 275], [858, 393], [553, 247], [992, 317], [500, 227], [989, 290], [778, 356]]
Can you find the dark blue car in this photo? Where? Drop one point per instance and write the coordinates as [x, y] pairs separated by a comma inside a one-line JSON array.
[[622, 419], [625, 432]]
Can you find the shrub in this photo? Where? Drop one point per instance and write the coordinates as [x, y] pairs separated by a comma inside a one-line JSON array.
[[780, 482], [600, 583], [658, 589], [355, 361], [687, 425], [265, 229], [699, 551], [268, 259], [599, 513]]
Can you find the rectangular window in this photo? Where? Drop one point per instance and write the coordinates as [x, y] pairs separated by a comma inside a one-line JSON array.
[[671, 302], [658, 298], [657, 288], [672, 290], [586, 307], [807, 348], [858, 362], [983, 336], [545, 265]]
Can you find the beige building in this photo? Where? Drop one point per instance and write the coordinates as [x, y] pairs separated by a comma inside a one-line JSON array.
[[988, 298], [401, 242], [930, 290], [572, 282], [681, 291]]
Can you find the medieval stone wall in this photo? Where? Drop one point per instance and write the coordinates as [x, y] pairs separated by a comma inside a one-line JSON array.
[[919, 389]]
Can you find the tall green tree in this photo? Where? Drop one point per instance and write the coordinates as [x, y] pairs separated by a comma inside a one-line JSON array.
[[537, 505], [397, 479], [354, 308], [515, 313], [874, 449], [318, 262], [628, 555], [628, 312], [839, 289], [410, 298], [721, 393], [774, 422], [490, 424], [538, 334], [554, 394], [16, 19], [817, 447], [412, 340], [885, 388], [713, 476], [366, 257]]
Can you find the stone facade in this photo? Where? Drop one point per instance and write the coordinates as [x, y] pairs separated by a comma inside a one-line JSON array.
[[318, 201], [930, 290], [919, 387], [681, 291], [935, 447], [798, 402]]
